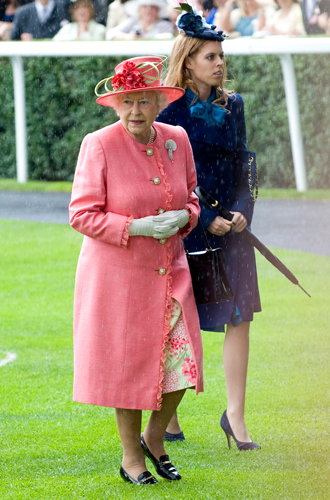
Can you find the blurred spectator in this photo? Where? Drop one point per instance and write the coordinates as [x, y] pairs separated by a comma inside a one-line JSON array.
[[173, 14], [288, 20], [219, 4], [39, 19], [316, 15], [209, 6], [324, 22], [116, 13], [83, 26], [101, 10], [250, 16], [148, 19], [7, 12]]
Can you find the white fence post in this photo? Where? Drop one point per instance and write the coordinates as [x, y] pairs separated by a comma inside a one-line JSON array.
[[20, 119], [294, 121]]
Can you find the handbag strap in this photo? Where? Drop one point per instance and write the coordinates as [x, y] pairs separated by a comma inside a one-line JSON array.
[[207, 244], [206, 241], [212, 204]]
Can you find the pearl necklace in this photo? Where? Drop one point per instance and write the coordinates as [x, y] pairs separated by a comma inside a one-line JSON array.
[[152, 136]]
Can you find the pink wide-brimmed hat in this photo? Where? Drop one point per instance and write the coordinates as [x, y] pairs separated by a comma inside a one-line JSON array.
[[138, 74]]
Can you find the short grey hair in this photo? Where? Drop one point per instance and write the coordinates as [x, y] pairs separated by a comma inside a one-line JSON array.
[[161, 99]]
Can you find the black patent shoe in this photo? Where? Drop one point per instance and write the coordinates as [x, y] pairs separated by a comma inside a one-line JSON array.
[[163, 466], [225, 425], [144, 478]]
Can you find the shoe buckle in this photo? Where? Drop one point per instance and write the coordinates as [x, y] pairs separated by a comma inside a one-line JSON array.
[[146, 479]]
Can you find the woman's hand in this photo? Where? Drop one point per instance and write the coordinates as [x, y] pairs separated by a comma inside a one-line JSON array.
[[220, 226], [182, 217], [154, 227], [239, 222], [26, 37]]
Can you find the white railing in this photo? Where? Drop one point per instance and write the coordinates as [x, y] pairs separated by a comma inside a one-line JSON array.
[[284, 47]]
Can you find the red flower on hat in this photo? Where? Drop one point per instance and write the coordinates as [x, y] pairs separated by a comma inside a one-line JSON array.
[[129, 78]]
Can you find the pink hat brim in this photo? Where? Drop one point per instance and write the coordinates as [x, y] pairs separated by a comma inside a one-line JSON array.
[[174, 93]]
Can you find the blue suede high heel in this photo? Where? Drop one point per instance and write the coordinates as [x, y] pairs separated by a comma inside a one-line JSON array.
[[225, 426], [174, 437]]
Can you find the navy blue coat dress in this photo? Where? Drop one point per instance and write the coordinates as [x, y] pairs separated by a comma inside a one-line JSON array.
[[217, 139]]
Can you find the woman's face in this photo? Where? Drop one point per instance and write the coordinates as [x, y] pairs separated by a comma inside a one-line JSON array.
[[137, 112], [82, 14], [148, 13], [206, 67]]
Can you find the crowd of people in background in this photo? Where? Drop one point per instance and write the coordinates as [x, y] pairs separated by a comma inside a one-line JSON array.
[[155, 19]]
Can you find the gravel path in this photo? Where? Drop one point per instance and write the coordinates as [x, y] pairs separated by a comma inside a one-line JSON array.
[[289, 224]]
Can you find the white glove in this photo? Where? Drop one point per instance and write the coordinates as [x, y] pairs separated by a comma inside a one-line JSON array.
[[154, 227], [181, 215]]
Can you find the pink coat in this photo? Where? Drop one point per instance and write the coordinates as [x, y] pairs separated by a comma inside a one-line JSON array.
[[124, 284]]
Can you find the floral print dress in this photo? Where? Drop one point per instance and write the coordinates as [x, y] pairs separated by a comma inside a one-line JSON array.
[[180, 370]]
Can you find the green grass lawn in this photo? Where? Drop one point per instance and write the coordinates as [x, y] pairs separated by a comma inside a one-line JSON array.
[[13, 185], [52, 448]]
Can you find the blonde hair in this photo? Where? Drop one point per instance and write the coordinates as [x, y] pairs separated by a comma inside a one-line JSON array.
[[178, 74]]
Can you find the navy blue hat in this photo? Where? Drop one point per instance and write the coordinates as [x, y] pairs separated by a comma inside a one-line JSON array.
[[194, 25]]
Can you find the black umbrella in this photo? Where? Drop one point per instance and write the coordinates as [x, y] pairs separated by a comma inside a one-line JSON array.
[[212, 204]]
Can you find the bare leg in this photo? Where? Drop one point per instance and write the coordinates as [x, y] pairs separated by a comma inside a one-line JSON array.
[[174, 424], [158, 421], [235, 362], [129, 427]]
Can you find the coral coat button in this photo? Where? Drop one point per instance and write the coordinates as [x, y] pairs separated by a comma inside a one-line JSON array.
[[160, 211], [156, 181], [162, 241], [162, 271]]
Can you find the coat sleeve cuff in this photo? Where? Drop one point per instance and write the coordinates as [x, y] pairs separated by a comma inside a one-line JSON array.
[[126, 233], [192, 222]]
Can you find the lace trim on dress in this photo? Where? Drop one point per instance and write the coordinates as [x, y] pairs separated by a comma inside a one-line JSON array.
[[168, 305], [125, 236]]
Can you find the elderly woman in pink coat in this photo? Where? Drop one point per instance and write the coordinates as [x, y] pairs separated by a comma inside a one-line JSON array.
[[137, 341]]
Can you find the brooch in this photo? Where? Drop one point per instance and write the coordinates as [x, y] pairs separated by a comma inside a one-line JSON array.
[[171, 146]]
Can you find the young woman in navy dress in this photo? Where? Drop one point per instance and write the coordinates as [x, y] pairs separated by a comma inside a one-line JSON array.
[[214, 120]]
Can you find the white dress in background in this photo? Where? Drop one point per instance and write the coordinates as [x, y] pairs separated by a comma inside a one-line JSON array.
[[116, 14], [69, 32], [132, 23], [292, 22]]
